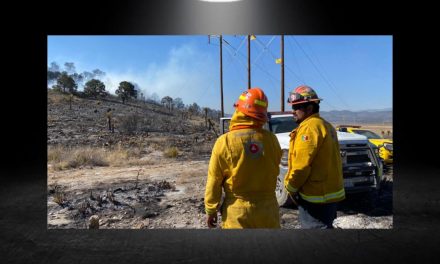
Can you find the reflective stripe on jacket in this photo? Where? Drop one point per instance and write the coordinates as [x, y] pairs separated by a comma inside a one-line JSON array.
[[245, 163], [315, 166]]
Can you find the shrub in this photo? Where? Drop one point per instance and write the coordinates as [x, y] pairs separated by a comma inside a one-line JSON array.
[[170, 152], [65, 158], [55, 154], [59, 196], [61, 158], [86, 156], [129, 124]]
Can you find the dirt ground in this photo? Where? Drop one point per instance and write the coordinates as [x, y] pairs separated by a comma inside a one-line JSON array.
[[169, 195]]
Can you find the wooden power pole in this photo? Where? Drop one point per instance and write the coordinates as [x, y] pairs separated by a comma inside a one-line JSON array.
[[221, 75], [249, 61], [282, 73]]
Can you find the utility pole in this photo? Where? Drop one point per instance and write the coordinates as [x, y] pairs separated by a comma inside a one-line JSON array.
[[282, 73], [221, 75], [249, 61]]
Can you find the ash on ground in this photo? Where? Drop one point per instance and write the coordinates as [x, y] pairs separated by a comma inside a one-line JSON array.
[[131, 205]]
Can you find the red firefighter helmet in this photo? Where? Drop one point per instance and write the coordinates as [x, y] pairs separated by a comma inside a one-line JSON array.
[[253, 103], [303, 94]]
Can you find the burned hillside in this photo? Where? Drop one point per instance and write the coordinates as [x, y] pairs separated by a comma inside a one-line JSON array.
[[75, 121]]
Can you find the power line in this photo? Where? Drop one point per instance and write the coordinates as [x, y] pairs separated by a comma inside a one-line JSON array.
[[319, 72], [296, 61], [274, 87], [227, 64], [257, 65], [270, 77], [317, 59], [241, 76], [294, 74], [265, 47], [330, 105], [241, 44], [236, 52], [285, 65]]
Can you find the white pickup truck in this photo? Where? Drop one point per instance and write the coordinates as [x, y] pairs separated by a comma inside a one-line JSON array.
[[362, 167]]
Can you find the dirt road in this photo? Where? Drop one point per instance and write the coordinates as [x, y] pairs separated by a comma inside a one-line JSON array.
[[170, 195]]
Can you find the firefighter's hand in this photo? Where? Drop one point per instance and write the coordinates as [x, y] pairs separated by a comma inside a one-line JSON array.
[[211, 220]]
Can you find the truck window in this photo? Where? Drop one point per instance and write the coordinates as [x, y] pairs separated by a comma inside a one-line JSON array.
[[282, 124], [367, 133], [225, 125]]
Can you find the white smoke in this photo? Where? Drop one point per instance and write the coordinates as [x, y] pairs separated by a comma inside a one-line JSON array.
[[186, 73]]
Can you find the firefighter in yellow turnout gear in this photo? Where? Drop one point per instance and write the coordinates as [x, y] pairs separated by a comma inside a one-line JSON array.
[[245, 163], [314, 163], [316, 172]]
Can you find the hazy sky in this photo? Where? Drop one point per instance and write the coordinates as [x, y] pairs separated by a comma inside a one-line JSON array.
[[348, 72]]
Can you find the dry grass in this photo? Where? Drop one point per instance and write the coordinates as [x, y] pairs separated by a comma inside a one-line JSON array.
[[157, 143], [171, 152], [51, 119], [59, 196], [192, 176], [55, 154], [204, 149], [61, 158], [57, 98]]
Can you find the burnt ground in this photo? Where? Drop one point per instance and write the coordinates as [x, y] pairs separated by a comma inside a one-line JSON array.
[[171, 196], [168, 194]]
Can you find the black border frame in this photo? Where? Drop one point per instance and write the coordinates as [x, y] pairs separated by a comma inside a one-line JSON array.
[[24, 236]]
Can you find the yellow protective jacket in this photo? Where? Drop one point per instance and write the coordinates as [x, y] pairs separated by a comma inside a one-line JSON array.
[[315, 167], [245, 163]]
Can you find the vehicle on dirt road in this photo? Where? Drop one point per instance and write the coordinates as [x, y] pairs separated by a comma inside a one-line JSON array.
[[362, 167], [384, 145]]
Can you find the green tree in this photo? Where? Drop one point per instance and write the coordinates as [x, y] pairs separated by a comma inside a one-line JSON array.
[[52, 75], [126, 90], [54, 67], [70, 67], [87, 76], [94, 88], [65, 82], [97, 73], [78, 78], [193, 109], [179, 103]]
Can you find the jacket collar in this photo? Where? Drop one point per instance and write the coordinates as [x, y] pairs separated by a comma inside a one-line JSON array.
[[316, 115], [241, 121]]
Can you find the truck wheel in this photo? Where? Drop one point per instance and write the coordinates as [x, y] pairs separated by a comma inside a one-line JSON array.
[[281, 192]]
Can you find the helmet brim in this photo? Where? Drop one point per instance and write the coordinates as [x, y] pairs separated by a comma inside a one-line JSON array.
[[305, 101]]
